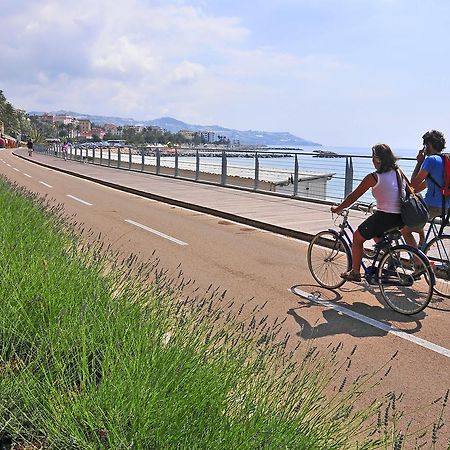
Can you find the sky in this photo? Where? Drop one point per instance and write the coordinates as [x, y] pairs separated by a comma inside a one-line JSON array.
[[339, 72]]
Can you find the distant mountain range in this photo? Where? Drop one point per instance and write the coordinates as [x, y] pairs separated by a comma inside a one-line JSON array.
[[278, 138]]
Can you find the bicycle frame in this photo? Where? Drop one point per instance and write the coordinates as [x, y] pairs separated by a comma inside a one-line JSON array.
[[432, 231], [349, 241]]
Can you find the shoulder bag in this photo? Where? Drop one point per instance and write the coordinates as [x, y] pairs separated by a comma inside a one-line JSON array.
[[413, 208]]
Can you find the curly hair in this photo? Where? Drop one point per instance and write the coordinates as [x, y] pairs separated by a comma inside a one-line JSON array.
[[435, 138], [388, 161]]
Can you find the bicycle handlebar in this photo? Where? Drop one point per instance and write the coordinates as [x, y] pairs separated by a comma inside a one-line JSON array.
[[367, 208]]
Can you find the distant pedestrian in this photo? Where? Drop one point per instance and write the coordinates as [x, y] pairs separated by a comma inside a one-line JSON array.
[[30, 147], [65, 149]]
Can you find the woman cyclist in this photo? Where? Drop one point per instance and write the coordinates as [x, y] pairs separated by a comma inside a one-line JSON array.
[[385, 190]]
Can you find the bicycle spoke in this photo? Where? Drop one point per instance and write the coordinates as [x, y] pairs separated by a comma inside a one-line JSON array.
[[327, 259], [438, 252], [404, 289]]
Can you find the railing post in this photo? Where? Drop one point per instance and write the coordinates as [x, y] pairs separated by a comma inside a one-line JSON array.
[[101, 155], [296, 176], [93, 155], [129, 158], [348, 176], [75, 153], [256, 171], [158, 161], [118, 157], [176, 162], [142, 159], [223, 178], [109, 156], [197, 165]]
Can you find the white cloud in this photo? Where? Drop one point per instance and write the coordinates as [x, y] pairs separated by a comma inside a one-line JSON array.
[[138, 58], [308, 67]]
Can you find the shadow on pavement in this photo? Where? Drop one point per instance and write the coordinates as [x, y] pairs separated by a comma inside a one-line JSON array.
[[337, 322]]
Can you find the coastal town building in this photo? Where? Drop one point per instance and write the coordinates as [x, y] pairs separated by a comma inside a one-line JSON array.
[[98, 131], [135, 128], [188, 134], [156, 129], [46, 117], [111, 128], [84, 126], [63, 119], [208, 136]]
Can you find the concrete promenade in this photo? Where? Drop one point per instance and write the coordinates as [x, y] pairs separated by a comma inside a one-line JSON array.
[[282, 215]]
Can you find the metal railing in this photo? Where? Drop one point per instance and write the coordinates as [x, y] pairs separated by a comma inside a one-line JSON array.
[[316, 176]]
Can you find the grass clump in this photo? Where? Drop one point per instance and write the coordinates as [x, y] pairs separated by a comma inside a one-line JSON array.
[[98, 352]]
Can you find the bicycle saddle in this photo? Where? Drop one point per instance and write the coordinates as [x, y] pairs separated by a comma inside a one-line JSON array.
[[388, 236]]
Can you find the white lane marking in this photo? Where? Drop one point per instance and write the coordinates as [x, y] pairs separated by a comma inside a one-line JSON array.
[[29, 176], [9, 165], [79, 200], [45, 184], [17, 170], [374, 323], [158, 233]]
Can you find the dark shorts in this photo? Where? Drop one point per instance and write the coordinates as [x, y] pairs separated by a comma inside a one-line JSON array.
[[378, 223]]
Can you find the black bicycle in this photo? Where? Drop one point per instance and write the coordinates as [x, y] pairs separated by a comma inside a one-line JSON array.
[[403, 273]]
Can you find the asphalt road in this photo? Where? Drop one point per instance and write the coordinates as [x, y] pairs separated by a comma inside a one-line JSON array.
[[255, 267]]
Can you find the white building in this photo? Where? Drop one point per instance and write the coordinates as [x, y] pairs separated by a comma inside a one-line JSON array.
[[208, 136]]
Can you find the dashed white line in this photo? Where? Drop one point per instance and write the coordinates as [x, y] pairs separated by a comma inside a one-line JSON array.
[[158, 233], [374, 323], [29, 176], [79, 200], [17, 170], [45, 184]]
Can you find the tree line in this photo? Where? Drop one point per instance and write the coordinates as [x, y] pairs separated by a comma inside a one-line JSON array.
[[16, 123]]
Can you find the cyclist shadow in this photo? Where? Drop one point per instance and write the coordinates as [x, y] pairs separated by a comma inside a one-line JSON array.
[[437, 302], [358, 319]]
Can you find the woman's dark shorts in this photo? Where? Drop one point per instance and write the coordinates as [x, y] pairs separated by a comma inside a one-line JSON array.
[[378, 223]]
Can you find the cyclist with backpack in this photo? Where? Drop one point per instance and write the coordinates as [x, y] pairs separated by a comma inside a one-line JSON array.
[[432, 171]]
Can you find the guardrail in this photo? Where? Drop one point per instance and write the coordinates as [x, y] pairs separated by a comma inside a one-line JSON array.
[[317, 176]]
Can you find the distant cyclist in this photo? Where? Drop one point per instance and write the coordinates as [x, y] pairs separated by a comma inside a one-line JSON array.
[[384, 186]]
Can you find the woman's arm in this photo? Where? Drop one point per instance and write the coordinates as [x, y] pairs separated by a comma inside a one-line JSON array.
[[368, 182]]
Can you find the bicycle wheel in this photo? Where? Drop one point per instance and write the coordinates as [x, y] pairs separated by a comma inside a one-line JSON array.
[[403, 290], [328, 257], [438, 252]]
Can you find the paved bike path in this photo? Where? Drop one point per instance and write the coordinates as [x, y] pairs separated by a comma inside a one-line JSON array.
[[282, 215]]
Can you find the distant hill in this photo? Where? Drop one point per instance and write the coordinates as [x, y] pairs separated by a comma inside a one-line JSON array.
[[277, 138]]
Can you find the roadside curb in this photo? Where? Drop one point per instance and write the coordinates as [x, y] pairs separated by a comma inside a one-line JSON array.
[[300, 235]]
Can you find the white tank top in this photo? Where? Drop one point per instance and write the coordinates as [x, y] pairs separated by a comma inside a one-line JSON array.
[[386, 192]]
